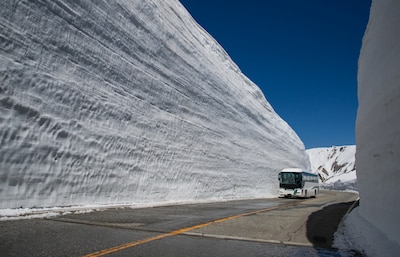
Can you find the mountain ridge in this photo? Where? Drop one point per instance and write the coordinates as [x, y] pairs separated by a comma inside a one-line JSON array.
[[335, 166]]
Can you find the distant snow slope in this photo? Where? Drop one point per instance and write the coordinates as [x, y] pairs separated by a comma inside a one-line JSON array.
[[110, 102], [335, 166]]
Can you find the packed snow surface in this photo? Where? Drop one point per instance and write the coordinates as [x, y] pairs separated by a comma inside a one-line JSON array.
[[335, 166], [114, 102]]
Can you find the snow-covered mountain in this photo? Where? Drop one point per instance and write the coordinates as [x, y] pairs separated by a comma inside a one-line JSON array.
[[335, 166], [111, 102]]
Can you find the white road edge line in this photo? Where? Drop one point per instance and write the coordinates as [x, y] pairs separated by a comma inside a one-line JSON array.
[[249, 239]]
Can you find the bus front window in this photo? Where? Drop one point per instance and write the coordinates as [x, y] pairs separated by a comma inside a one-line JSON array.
[[290, 180]]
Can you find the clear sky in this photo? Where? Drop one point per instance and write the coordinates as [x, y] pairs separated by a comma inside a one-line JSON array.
[[302, 54]]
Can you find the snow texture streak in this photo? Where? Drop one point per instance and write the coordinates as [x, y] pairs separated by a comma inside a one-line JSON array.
[[112, 102]]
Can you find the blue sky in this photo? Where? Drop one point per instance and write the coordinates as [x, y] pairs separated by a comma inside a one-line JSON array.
[[302, 54]]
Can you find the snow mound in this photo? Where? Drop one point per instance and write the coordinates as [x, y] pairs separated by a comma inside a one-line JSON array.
[[129, 102], [358, 234]]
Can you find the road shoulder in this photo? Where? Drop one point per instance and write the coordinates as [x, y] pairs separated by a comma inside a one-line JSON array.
[[312, 222]]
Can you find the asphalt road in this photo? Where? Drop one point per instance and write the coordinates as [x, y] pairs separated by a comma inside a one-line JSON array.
[[262, 227]]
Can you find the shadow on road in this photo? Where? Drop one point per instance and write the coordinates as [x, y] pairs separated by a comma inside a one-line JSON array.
[[322, 225]]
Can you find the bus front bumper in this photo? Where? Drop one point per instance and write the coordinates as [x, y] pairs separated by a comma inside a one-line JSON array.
[[290, 192]]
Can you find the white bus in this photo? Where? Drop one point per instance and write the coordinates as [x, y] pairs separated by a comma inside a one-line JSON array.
[[294, 182]]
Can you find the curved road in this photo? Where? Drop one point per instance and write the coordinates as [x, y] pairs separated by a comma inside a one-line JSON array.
[[261, 227]]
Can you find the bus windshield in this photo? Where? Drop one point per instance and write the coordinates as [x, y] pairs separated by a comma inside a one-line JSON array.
[[290, 180]]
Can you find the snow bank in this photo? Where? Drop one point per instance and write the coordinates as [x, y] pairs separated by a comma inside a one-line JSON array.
[[120, 102], [377, 132], [356, 233]]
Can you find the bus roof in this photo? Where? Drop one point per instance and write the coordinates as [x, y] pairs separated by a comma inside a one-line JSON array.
[[298, 170], [293, 170]]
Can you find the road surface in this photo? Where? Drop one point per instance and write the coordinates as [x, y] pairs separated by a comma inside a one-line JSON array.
[[261, 227]]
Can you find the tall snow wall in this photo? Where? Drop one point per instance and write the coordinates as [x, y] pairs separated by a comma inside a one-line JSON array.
[[113, 102], [378, 124]]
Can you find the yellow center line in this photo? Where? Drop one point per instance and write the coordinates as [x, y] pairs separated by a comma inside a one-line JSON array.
[[180, 231]]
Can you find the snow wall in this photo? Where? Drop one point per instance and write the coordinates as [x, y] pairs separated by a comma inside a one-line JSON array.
[[129, 102], [378, 126]]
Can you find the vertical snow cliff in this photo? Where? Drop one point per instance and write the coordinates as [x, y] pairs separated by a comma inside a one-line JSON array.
[[378, 126], [110, 102]]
